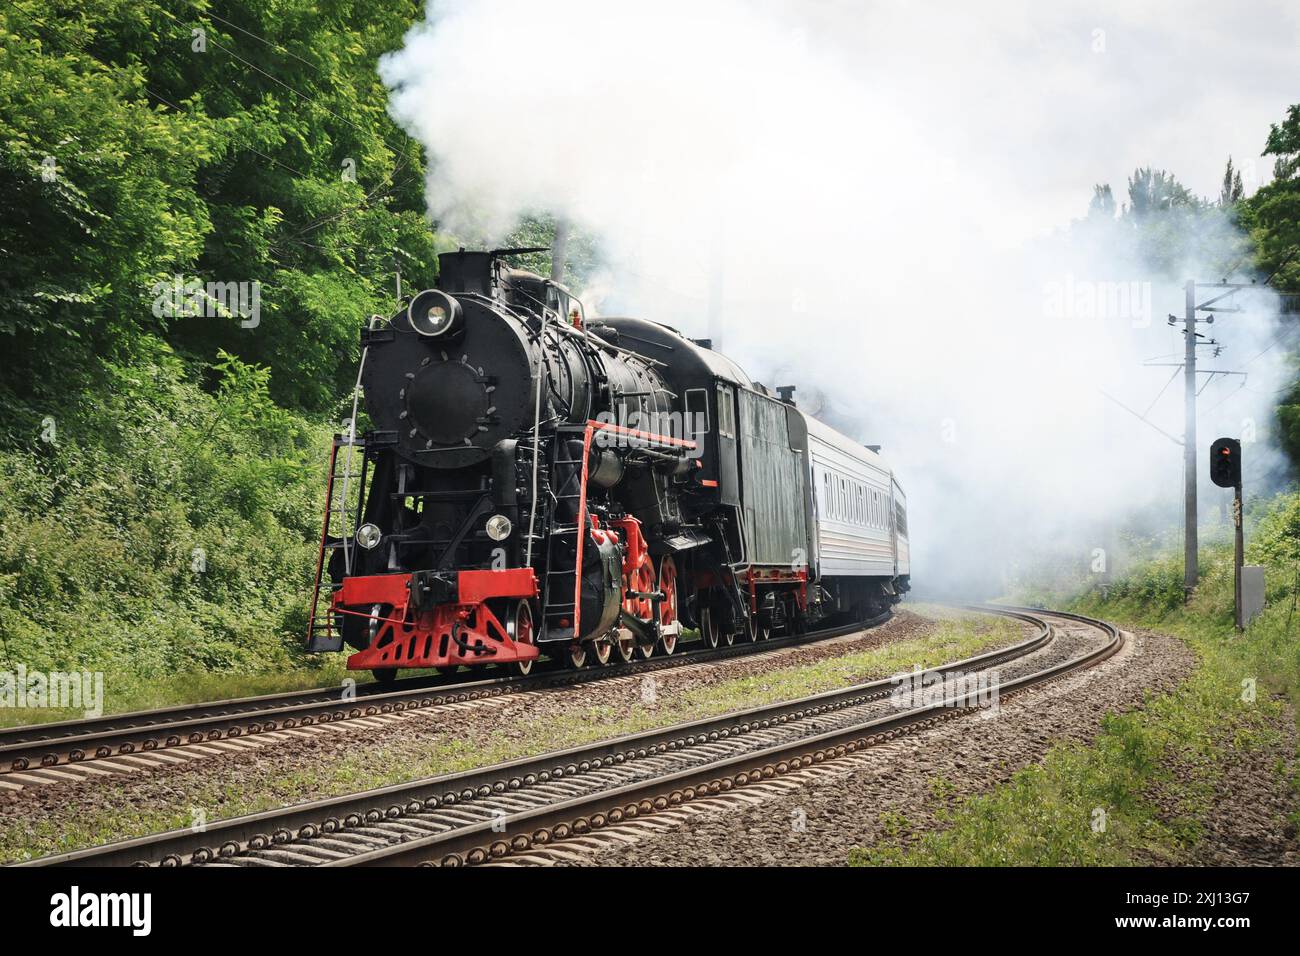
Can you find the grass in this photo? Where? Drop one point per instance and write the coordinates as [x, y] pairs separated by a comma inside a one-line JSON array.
[[124, 693], [395, 761], [1144, 790]]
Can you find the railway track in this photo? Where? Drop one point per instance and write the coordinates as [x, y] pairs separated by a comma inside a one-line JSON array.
[[489, 813], [45, 754]]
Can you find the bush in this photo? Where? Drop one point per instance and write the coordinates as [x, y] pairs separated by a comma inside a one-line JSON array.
[[163, 529]]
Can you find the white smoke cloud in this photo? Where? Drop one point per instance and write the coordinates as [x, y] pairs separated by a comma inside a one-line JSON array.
[[866, 191]]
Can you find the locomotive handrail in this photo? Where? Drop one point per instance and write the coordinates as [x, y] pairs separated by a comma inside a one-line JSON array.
[[649, 437], [537, 454]]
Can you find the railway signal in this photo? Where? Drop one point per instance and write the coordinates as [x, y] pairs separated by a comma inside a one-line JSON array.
[[1225, 463], [1225, 471]]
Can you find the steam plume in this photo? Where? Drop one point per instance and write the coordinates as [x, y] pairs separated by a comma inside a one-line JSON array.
[[874, 192]]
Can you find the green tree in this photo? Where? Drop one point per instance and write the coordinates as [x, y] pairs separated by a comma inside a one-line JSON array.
[[1155, 191], [225, 141], [1273, 213], [1103, 202], [97, 193], [1273, 216], [1231, 192], [1164, 229], [321, 199]]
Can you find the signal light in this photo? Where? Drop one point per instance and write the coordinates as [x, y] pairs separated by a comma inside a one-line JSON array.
[[1225, 463]]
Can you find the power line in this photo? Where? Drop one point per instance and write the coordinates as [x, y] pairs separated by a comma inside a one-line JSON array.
[[1227, 398], [255, 36], [1162, 391], [251, 149], [389, 177], [287, 52], [1140, 417], [303, 96]]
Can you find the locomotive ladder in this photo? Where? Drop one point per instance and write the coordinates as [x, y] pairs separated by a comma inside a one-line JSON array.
[[323, 633], [562, 592], [540, 522]]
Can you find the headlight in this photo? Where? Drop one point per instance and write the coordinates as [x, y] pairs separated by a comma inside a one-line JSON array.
[[499, 527], [368, 536], [434, 313]]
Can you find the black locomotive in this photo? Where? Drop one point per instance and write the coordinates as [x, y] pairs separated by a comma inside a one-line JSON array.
[[533, 482]]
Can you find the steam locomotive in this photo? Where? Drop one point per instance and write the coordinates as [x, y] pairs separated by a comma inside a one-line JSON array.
[[536, 483]]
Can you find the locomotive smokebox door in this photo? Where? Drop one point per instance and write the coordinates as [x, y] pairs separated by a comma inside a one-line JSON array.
[[450, 398]]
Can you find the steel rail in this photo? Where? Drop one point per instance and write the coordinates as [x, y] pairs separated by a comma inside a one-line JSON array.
[[40, 746], [482, 842], [469, 799], [537, 827]]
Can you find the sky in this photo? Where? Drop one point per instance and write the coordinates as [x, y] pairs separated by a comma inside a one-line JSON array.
[[856, 198]]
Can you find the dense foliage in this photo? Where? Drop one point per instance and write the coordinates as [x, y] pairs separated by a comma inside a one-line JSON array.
[[1273, 216], [150, 143], [224, 141], [167, 529]]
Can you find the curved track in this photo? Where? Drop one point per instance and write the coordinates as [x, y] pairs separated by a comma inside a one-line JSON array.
[[488, 813], [42, 754]]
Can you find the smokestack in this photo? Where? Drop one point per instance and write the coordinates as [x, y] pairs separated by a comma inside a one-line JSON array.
[[558, 249]]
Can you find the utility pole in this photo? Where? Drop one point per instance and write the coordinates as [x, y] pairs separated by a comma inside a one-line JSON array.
[[1191, 570], [1210, 306]]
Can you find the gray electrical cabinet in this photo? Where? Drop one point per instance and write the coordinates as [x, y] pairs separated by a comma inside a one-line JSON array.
[[1252, 592]]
